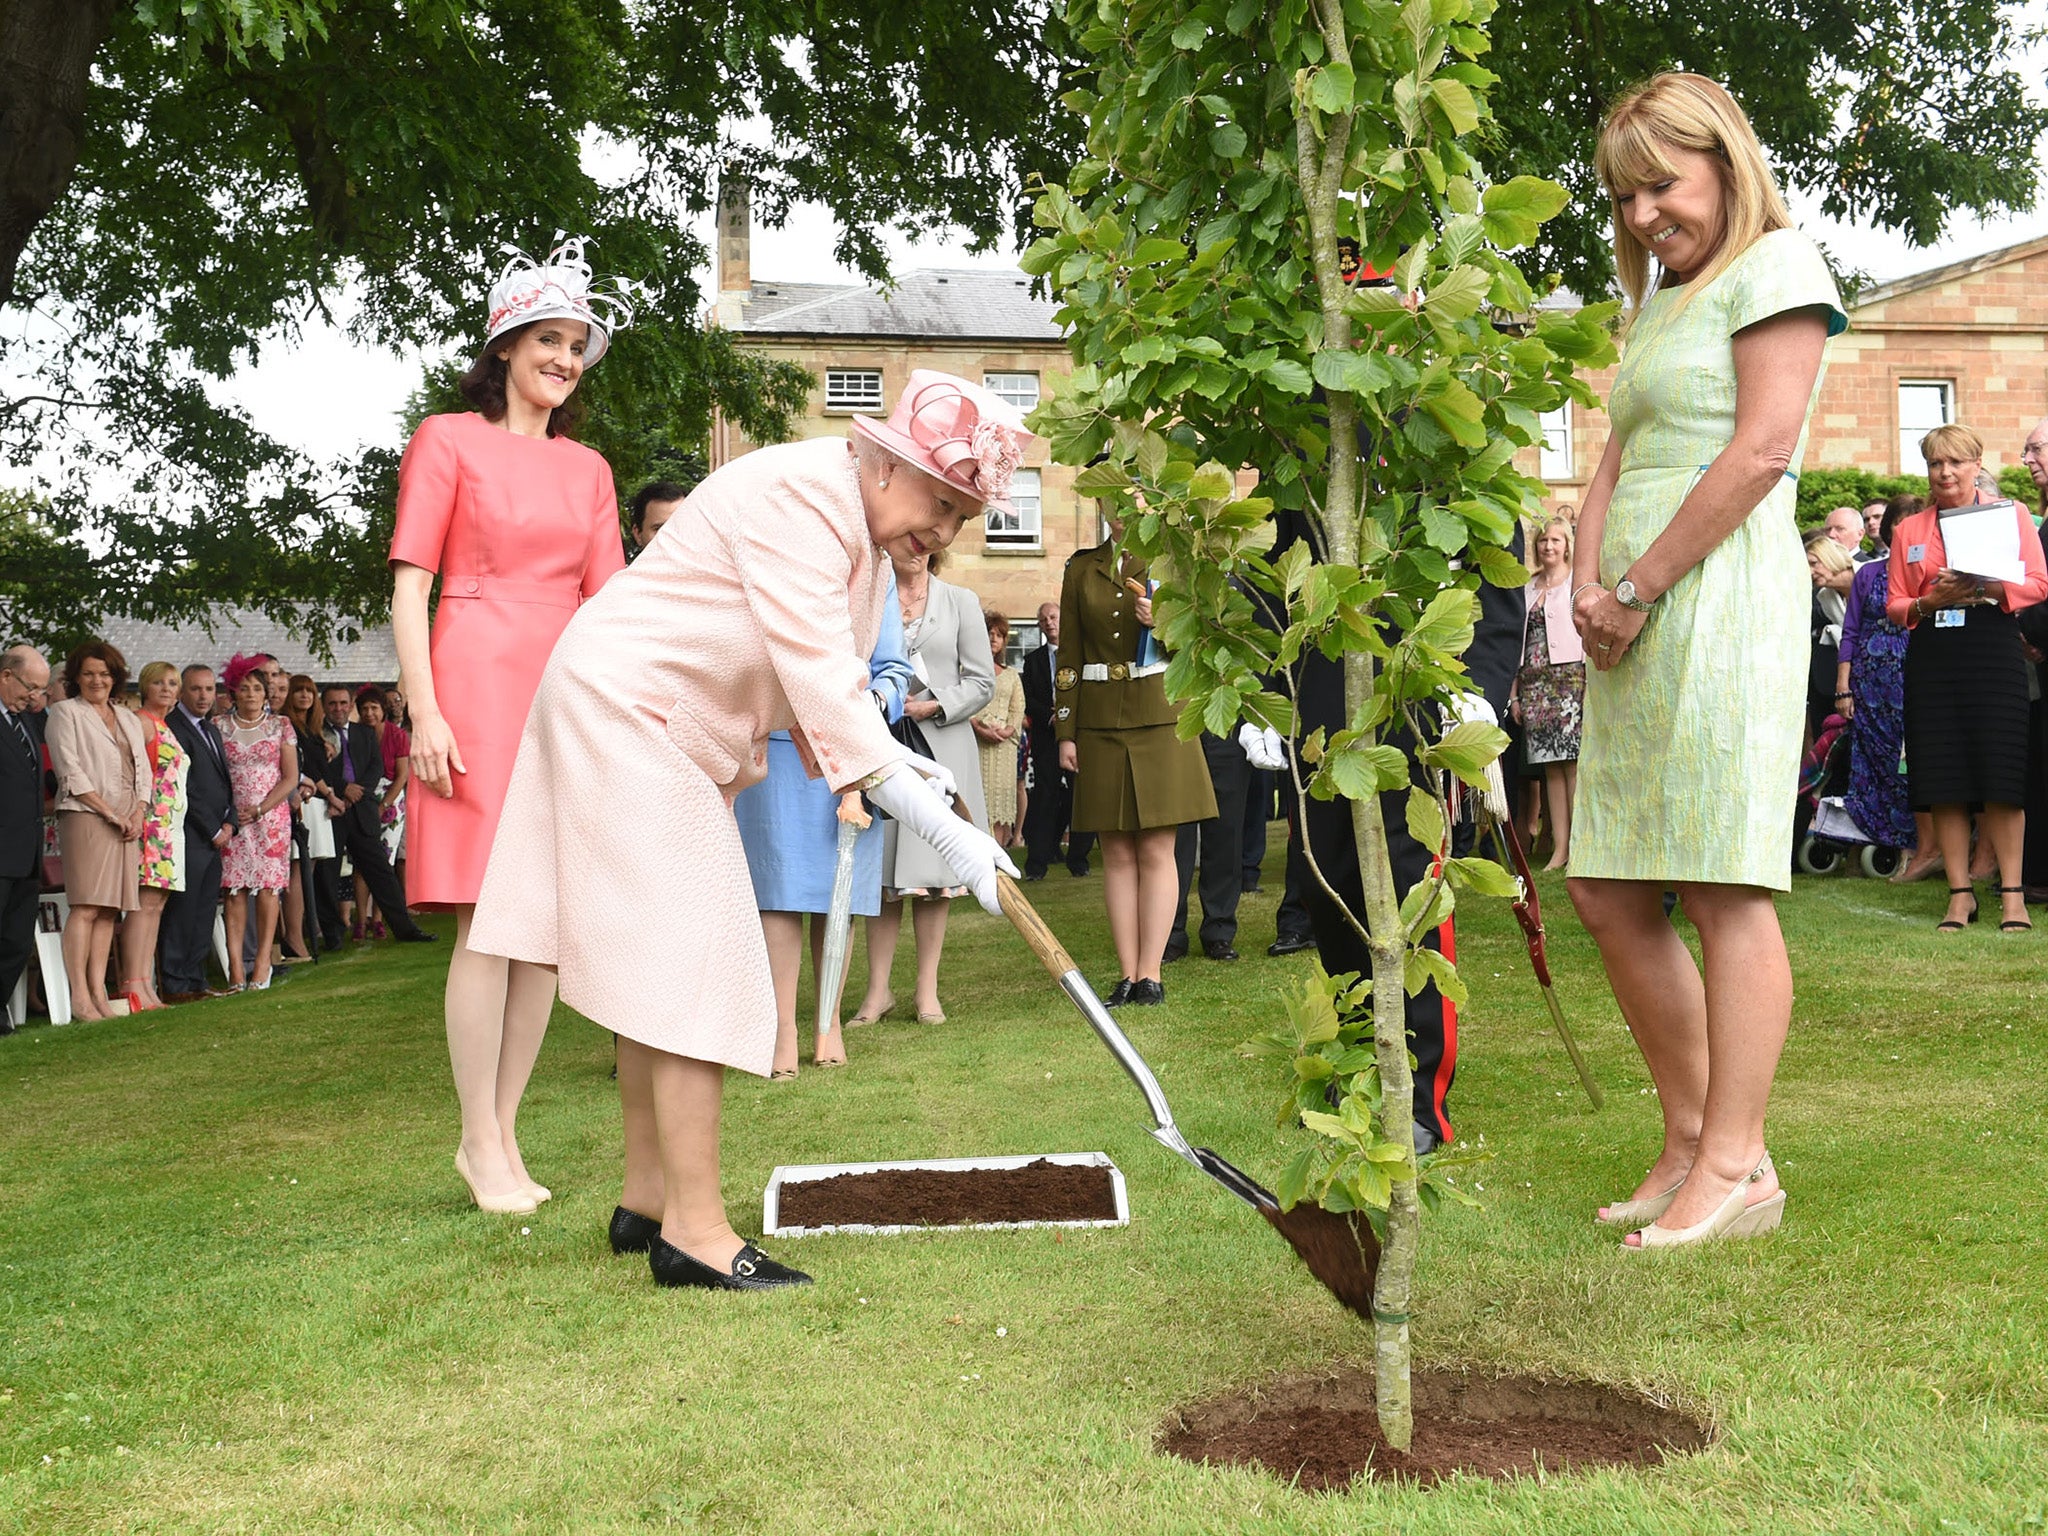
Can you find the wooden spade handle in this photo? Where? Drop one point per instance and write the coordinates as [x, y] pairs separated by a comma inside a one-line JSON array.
[[1022, 915], [1025, 919]]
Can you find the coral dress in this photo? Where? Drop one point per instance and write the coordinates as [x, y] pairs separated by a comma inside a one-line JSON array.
[[1689, 762], [521, 531], [618, 859]]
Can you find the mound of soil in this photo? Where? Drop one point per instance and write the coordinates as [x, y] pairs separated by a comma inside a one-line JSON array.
[[1319, 1432], [933, 1197]]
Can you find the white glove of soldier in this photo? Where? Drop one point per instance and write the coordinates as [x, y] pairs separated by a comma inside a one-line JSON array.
[[936, 774], [1262, 746], [972, 853]]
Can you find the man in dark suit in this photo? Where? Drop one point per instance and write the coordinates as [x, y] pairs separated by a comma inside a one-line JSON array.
[[1432, 1019], [1052, 792], [24, 674], [348, 778], [209, 823]]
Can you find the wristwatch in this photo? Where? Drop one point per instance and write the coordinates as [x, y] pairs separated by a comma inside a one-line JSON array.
[[1625, 594]]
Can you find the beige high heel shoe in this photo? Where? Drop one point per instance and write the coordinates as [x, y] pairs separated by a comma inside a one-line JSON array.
[[521, 1204], [1638, 1213], [1731, 1218]]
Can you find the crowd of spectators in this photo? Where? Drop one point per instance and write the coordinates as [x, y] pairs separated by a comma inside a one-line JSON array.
[[193, 833], [159, 803]]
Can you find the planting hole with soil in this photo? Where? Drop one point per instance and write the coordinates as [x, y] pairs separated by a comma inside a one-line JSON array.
[[1320, 1431], [1039, 1191]]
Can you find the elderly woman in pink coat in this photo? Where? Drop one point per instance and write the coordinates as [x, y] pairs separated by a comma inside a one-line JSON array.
[[755, 611]]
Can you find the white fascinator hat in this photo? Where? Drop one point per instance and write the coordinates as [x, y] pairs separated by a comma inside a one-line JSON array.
[[561, 288]]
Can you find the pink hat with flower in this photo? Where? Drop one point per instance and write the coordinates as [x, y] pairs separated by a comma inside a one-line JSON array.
[[956, 432]]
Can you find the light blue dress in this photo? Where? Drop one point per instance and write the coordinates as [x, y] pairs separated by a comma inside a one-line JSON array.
[[1689, 762], [789, 822]]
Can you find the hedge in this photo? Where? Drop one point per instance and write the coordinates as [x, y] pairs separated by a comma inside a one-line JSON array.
[[1822, 490]]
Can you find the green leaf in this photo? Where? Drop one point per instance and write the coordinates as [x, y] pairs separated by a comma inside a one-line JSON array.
[[1499, 567], [1425, 965], [1227, 140], [1515, 210], [1102, 479], [1292, 1184], [1289, 375], [1425, 819], [1483, 876], [1190, 34], [1211, 482], [1354, 372], [1446, 624], [1155, 250], [1466, 748], [1330, 88], [1444, 529], [1454, 99], [1458, 293]]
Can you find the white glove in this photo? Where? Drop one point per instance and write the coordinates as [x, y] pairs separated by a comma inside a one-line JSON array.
[[972, 853], [936, 774], [1262, 746]]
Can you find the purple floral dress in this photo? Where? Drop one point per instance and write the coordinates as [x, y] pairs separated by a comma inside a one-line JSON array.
[[1875, 649], [258, 857]]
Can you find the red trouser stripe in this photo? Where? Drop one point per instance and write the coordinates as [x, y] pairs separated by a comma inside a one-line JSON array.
[[1447, 941]]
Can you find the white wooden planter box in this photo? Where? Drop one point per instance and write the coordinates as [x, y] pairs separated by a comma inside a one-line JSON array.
[[771, 1202]]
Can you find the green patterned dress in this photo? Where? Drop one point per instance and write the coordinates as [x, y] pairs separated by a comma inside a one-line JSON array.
[[1690, 760]]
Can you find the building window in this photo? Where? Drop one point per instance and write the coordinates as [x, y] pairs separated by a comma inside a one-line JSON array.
[[853, 389], [1555, 456], [1019, 389], [1924, 404], [1018, 527]]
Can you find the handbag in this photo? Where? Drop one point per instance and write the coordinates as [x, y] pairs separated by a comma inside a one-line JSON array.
[[53, 856], [911, 738]]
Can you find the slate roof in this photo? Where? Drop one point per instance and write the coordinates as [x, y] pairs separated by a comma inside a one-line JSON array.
[[371, 659], [931, 304]]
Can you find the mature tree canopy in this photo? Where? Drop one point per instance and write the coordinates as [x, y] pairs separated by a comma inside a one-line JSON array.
[[236, 178], [1897, 113]]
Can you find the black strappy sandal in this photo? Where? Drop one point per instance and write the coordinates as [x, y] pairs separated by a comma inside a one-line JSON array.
[[2025, 925], [1950, 925]]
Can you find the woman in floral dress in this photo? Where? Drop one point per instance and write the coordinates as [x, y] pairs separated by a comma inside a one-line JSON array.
[[263, 768], [1549, 693], [163, 832]]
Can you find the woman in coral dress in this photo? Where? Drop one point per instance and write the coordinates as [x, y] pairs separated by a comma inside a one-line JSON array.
[[618, 859], [521, 525]]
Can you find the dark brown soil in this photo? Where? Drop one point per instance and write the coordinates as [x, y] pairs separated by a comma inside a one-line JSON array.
[[932, 1197], [1341, 1251], [1319, 1432]]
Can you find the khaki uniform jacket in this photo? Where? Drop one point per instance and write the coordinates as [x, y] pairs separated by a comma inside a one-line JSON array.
[[1099, 626]]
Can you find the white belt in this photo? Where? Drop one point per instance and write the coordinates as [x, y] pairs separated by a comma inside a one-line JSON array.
[[1117, 671]]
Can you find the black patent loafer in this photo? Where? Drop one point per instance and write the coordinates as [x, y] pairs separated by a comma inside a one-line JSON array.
[[632, 1232], [1118, 994], [1290, 944], [752, 1270], [1222, 949], [1145, 993]]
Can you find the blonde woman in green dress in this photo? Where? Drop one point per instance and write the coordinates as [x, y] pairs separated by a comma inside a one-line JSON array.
[[1691, 592]]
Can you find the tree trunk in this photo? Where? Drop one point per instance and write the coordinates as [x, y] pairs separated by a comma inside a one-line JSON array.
[[1320, 161], [46, 53]]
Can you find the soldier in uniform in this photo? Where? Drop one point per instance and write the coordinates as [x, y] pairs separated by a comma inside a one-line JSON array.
[[1135, 781]]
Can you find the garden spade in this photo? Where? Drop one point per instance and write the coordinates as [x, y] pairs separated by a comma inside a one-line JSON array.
[[1530, 915], [853, 819], [1340, 1251]]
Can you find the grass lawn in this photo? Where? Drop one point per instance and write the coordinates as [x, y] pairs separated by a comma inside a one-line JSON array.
[[241, 1287]]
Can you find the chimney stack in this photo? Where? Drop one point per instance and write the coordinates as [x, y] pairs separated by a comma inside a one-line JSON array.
[[735, 228]]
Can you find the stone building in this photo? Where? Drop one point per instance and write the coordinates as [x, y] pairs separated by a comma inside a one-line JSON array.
[[1966, 342], [861, 343]]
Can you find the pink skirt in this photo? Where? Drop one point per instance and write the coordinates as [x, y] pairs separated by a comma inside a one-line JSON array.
[[618, 862]]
